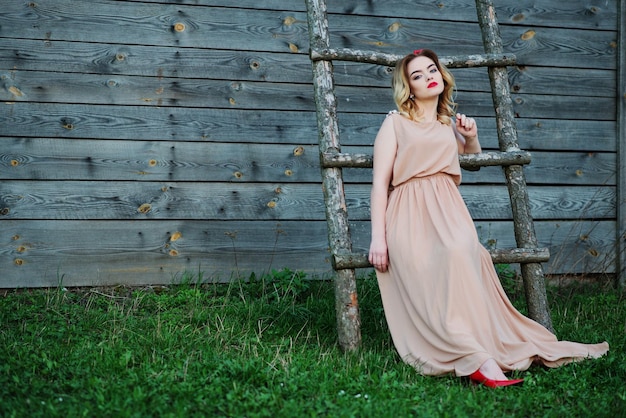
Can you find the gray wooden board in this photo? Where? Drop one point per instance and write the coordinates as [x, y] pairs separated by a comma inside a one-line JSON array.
[[531, 45], [140, 252], [40, 86], [263, 201], [173, 62], [89, 253], [278, 31], [93, 159], [594, 14], [265, 126], [118, 160], [163, 124], [157, 61], [564, 168]]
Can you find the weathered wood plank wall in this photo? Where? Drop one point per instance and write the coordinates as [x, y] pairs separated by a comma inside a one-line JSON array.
[[142, 139]]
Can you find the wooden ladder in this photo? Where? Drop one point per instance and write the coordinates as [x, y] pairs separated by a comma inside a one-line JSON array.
[[332, 160]]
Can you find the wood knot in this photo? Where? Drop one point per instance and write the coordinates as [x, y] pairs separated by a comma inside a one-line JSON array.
[[528, 35], [238, 174], [288, 172], [394, 27], [173, 253], [232, 101], [21, 249], [4, 211], [176, 236], [15, 163], [15, 237], [179, 27], [255, 65], [271, 204], [293, 47], [298, 151], [579, 172], [152, 163], [145, 208], [593, 252], [15, 91], [18, 261], [518, 17], [120, 57], [289, 20]]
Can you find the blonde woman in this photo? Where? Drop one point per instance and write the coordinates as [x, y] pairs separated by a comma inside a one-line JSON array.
[[444, 304]]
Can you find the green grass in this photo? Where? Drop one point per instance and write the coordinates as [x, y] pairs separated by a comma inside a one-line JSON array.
[[267, 348]]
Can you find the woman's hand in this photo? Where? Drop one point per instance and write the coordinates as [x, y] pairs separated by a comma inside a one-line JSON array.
[[466, 126], [378, 255], [466, 132]]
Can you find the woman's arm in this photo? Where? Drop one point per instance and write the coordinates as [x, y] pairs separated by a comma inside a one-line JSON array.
[[385, 148], [466, 132]]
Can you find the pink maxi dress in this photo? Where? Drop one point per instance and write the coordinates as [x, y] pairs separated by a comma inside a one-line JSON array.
[[445, 307]]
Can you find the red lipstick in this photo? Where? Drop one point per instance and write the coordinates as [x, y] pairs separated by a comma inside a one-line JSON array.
[[433, 84]]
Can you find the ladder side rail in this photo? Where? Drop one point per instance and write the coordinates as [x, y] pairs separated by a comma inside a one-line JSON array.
[[346, 302], [532, 273]]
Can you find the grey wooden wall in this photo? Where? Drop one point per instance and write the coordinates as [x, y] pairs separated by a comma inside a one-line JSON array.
[[143, 139]]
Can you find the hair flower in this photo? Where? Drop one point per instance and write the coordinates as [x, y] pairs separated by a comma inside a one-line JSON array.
[[418, 51]]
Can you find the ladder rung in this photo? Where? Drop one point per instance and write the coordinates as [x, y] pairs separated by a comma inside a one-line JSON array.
[[520, 255], [373, 57], [468, 161], [506, 256]]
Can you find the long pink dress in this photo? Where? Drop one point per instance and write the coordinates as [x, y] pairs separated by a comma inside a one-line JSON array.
[[445, 307]]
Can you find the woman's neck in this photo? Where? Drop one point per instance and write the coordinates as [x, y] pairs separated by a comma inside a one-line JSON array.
[[429, 110]]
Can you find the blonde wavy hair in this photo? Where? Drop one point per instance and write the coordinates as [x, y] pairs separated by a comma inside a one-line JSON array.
[[402, 91]]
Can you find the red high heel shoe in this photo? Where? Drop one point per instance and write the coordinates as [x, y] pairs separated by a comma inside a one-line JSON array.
[[478, 377]]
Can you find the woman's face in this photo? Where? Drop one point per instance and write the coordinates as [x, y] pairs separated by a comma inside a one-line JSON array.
[[425, 79]]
